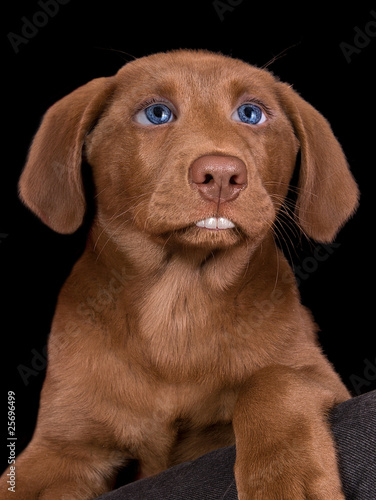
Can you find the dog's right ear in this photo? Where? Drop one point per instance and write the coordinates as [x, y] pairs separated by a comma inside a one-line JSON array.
[[51, 183]]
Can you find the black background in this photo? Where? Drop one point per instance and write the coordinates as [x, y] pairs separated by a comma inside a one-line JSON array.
[[85, 40]]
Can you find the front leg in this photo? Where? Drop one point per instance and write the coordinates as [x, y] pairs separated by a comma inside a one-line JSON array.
[[62, 471], [284, 446]]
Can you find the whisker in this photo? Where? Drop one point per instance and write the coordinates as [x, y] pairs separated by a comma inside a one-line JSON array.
[[100, 192], [271, 227], [128, 57], [108, 239], [140, 198], [279, 56], [281, 233], [116, 216], [165, 243], [294, 189]]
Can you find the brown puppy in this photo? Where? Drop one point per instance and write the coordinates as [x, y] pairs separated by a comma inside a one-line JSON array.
[[180, 329]]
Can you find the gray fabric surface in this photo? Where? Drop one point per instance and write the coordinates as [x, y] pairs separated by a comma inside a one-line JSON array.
[[354, 429]]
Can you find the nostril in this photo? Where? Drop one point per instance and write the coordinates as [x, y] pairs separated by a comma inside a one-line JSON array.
[[218, 178]]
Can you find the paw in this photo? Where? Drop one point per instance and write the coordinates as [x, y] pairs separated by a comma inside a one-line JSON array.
[[256, 487], [283, 478], [42, 473]]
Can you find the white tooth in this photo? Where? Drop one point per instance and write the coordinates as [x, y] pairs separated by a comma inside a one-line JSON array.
[[225, 223], [211, 223], [215, 223]]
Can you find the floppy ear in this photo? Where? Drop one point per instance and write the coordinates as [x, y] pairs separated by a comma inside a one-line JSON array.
[[328, 194], [51, 183]]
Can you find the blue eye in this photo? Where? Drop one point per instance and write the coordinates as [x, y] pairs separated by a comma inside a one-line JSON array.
[[249, 113], [156, 114]]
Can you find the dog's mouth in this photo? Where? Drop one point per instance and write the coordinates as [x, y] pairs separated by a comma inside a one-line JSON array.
[[215, 223], [209, 233]]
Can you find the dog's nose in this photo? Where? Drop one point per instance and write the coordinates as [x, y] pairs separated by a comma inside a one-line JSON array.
[[218, 178]]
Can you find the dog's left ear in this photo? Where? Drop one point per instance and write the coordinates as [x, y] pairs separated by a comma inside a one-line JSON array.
[[328, 194]]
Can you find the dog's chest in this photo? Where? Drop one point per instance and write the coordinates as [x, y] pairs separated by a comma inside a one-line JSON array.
[[188, 330]]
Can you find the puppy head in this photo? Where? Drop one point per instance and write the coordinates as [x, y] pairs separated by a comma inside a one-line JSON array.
[[150, 134]]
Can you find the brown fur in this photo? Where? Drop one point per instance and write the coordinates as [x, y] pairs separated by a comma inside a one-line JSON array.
[[170, 340]]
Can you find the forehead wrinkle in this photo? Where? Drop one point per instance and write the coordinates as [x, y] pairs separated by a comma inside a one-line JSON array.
[[216, 81], [254, 82], [184, 88]]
